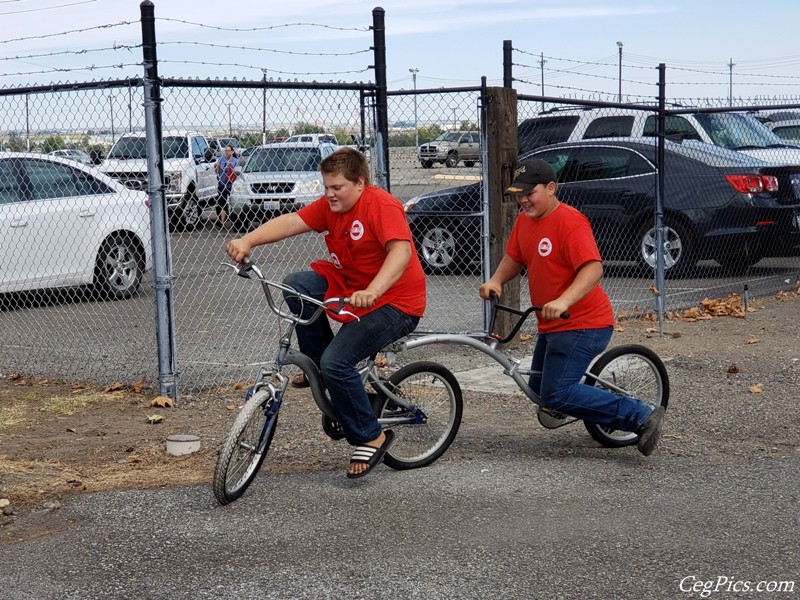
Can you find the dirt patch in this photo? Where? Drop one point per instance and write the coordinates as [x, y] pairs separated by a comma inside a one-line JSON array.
[[734, 394]]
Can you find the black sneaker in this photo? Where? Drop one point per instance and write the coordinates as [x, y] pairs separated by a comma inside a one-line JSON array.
[[650, 431]]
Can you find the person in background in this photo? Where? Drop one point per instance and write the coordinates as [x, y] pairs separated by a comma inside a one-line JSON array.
[[226, 175], [556, 244], [373, 263]]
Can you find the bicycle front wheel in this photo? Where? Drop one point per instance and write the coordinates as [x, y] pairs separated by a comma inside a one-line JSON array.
[[425, 431], [629, 370], [246, 446]]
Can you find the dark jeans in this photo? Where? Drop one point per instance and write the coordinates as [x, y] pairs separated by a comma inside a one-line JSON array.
[[337, 355], [223, 191], [561, 359]]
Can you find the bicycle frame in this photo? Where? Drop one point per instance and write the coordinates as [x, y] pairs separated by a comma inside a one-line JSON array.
[[487, 342], [289, 356]]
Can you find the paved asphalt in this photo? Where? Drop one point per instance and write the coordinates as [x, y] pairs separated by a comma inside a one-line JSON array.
[[605, 524]]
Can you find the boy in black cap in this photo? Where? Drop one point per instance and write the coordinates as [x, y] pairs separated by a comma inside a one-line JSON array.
[[555, 242]]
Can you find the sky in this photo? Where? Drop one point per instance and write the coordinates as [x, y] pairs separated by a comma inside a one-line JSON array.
[[710, 48]]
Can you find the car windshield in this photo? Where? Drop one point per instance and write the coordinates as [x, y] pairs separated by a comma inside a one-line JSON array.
[[272, 160], [136, 148], [450, 136], [736, 131]]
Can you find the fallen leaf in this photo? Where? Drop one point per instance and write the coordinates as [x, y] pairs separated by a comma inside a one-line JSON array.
[[752, 341], [676, 335], [381, 361], [161, 402], [654, 290], [230, 406], [15, 376], [733, 369], [153, 419], [114, 387], [238, 385], [524, 337], [651, 330], [137, 387], [70, 430], [756, 389]]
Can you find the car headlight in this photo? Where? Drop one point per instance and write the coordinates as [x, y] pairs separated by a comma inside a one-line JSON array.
[[174, 182], [409, 204], [239, 186], [308, 187]]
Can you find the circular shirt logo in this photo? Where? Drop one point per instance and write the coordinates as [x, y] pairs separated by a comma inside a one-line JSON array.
[[335, 260], [545, 247], [356, 230]]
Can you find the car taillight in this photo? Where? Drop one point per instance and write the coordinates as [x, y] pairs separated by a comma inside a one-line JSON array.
[[147, 202], [770, 183], [753, 184]]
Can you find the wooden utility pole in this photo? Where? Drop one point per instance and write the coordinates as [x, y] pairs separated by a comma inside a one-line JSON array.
[[501, 123]]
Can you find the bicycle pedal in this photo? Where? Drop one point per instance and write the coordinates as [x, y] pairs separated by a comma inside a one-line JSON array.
[[333, 429], [552, 419]]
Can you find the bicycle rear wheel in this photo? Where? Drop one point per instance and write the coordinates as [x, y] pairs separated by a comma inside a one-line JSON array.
[[424, 434], [246, 446], [640, 373]]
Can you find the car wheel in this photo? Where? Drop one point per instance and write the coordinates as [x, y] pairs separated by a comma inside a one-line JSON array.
[[744, 257], [437, 247], [119, 267], [469, 163], [426, 164], [190, 212], [452, 160], [678, 248]]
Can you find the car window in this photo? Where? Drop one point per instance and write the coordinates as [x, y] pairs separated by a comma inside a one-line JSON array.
[[9, 187], [129, 148], [788, 133], [590, 164], [617, 126], [175, 147], [675, 126], [272, 160], [199, 145], [533, 133], [50, 180]]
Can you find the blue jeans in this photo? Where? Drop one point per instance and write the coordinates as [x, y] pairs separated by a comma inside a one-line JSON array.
[[560, 361], [337, 355]]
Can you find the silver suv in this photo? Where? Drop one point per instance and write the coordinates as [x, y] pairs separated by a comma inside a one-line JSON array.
[[734, 131], [450, 148]]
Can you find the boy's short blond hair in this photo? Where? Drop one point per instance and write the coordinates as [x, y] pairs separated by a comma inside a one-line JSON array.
[[349, 162]]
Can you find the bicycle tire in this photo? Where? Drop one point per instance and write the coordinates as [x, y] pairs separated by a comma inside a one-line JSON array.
[[641, 373], [434, 389], [245, 447]]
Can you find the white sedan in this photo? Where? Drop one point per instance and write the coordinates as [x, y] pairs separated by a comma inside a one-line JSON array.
[[63, 224]]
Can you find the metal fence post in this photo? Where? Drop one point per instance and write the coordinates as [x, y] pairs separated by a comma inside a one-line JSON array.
[[659, 221], [382, 134], [159, 224]]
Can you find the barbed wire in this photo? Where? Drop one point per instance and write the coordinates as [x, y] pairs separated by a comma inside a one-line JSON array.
[[271, 70], [265, 28], [71, 31], [75, 52], [72, 69], [255, 49]]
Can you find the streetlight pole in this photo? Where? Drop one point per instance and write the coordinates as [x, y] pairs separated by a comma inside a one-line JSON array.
[[620, 72], [111, 110], [416, 128]]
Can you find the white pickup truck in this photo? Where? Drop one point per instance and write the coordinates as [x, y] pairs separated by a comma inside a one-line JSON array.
[[189, 176]]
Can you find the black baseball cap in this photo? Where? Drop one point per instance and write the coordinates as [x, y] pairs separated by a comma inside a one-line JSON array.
[[529, 174]]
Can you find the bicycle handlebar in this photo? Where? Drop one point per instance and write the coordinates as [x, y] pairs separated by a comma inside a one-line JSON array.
[[334, 305], [522, 314]]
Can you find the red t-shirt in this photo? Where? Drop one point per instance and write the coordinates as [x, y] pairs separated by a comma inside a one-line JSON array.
[[357, 241], [554, 248]]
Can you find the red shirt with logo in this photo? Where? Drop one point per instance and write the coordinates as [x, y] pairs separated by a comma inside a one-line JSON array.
[[356, 241], [554, 248]]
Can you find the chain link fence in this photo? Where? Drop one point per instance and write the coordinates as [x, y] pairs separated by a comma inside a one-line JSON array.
[[77, 289]]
